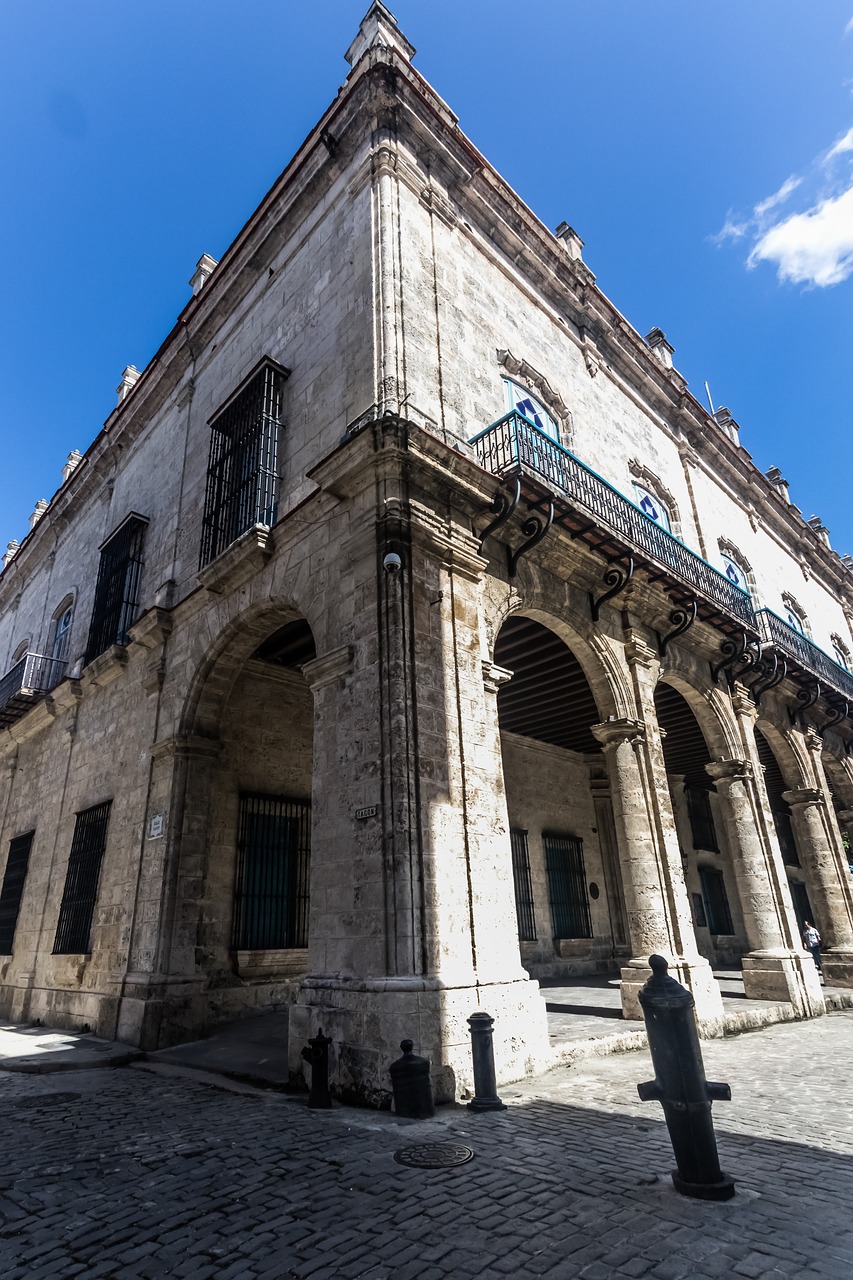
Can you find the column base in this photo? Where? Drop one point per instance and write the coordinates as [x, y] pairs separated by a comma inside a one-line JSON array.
[[368, 1018], [695, 975], [837, 968], [788, 976]]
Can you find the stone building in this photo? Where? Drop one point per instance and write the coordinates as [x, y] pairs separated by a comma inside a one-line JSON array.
[[411, 633]]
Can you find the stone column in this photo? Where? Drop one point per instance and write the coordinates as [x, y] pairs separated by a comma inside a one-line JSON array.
[[774, 968], [828, 885], [656, 902]]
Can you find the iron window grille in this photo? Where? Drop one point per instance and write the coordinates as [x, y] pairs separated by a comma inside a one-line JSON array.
[[242, 471], [702, 819], [273, 865], [117, 587], [716, 901], [524, 908], [13, 889], [567, 886], [81, 881]]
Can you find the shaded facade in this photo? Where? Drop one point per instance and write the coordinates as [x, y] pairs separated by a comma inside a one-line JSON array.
[[409, 634]]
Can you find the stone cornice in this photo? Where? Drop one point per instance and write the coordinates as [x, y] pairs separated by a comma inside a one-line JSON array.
[[494, 676], [333, 665], [803, 796], [612, 733], [729, 771]]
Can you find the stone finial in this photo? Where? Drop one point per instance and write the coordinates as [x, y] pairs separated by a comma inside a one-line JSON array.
[[38, 511], [11, 552], [203, 271], [129, 379], [656, 339], [725, 421], [379, 28], [847, 561], [820, 529], [75, 457], [572, 242], [774, 475]]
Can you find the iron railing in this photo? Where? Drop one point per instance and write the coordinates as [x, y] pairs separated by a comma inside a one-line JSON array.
[[273, 871], [794, 645], [74, 926], [524, 905], [513, 444], [567, 886], [117, 587], [30, 679]]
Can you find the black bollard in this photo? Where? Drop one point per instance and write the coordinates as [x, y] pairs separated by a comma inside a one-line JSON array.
[[483, 1055], [411, 1086], [680, 1086], [317, 1056]]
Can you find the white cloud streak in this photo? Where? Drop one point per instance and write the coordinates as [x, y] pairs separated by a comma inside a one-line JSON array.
[[779, 197], [840, 147], [815, 247]]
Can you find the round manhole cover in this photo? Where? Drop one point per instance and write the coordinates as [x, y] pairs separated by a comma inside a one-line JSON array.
[[434, 1155], [46, 1099]]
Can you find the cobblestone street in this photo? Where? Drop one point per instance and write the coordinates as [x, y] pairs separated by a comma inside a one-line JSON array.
[[134, 1172]]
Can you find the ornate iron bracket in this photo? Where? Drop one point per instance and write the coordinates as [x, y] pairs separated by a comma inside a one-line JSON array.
[[617, 579], [733, 652], [535, 529], [807, 698], [504, 508], [836, 715], [777, 674], [682, 619], [751, 659]]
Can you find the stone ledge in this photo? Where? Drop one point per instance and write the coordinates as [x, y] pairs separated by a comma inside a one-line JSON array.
[[107, 667], [237, 564]]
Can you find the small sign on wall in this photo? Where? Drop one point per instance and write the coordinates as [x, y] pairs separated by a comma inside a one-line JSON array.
[[156, 826], [369, 811]]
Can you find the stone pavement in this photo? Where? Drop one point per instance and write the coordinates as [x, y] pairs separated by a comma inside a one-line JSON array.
[[149, 1171]]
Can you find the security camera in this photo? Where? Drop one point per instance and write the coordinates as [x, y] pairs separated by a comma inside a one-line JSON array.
[[392, 562]]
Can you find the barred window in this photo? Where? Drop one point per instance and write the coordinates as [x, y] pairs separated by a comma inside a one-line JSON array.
[[273, 863], [567, 886], [81, 881], [716, 901], [117, 588], [702, 819], [523, 885], [13, 889], [242, 472]]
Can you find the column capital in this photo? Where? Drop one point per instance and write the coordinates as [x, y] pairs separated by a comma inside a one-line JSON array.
[[814, 741], [639, 653], [495, 676], [743, 704], [803, 796], [729, 770], [612, 733], [323, 670]]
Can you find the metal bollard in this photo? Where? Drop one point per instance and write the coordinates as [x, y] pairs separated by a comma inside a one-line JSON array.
[[680, 1086], [483, 1055], [411, 1086], [317, 1056]]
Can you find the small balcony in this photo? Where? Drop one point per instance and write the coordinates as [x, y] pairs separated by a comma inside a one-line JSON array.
[[26, 684], [803, 657], [591, 509]]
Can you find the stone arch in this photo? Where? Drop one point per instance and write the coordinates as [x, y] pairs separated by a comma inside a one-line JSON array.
[[651, 480], [839, 775], [791, 757], [220, 666], [709, 704], [733, 552]]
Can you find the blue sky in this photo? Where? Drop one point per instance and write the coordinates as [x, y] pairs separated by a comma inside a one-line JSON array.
[[704, 152]]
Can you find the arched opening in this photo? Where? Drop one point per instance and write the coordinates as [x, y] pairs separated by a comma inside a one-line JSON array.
[[840, 785], [775, 784], [705, 856], [253, 910], [568, 889]]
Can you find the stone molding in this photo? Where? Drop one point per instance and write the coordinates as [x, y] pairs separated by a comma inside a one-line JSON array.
[[537, 382], [107, 667], [152, 629], [495, 676], [803, 796], [237, 564], [612, 733], [730, 771], [186, 746], [331, 666]]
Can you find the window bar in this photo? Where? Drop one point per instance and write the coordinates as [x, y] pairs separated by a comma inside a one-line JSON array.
[[567, 886], [523, 884], [13, 889], [273, 865], [81, 882]]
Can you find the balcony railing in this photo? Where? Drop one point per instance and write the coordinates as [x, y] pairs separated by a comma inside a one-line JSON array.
[[513, 446], [27, 682], [805, 654]]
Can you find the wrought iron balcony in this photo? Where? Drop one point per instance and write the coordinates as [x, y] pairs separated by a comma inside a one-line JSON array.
[[26, 683], [803, 656], [590, 508]]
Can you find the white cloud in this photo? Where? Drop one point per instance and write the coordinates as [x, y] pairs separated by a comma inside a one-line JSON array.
[[842, 145], [849, 27], [779, 197], [815, 247]]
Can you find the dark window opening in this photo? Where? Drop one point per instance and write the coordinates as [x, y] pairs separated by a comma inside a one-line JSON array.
[[273, 863], [117, 587], [81, 881], [13, 889], [716, 901], [701, 819], [524, 908], [802, 906], [242, 472], [567, 886]]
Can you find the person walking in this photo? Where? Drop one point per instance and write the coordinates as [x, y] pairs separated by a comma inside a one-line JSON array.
[[811, 942]]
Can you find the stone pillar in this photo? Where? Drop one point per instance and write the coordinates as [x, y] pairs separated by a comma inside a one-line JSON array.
[[657, 907], [774, 968], [827, 882]]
